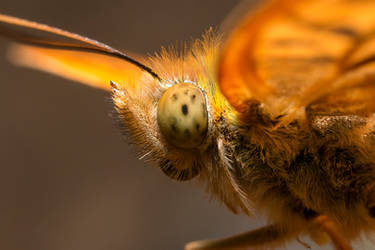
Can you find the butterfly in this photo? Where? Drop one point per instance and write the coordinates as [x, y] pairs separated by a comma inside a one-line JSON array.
[[276, 117]]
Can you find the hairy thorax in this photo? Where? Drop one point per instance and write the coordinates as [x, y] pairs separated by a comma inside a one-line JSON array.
[[319, 166]]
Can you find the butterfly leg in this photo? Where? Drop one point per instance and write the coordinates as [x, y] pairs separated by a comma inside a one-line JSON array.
[[327, 226], [259, 237]]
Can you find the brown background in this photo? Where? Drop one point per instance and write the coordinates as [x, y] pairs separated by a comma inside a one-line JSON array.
[[68, 180]]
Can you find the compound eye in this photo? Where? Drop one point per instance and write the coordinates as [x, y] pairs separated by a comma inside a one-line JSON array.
[[182, 115]]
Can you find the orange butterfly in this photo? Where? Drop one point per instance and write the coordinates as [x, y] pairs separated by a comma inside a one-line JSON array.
[[278, 117]]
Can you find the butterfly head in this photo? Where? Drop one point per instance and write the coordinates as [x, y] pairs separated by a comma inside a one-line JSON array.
[[183, 123], [169, 123], [173, 120]]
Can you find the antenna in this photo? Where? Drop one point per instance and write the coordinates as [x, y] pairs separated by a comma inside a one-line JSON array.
[[89, 45]]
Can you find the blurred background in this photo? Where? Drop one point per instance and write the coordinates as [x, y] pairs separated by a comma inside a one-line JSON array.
[[68, 179]]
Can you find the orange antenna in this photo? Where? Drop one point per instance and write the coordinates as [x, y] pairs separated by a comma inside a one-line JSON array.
[[89, 45]]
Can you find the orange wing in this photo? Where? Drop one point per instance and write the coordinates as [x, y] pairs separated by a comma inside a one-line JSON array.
[[91, 69], [291, 53]]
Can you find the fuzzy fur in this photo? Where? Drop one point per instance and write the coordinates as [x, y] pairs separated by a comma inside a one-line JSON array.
[[322, 164]]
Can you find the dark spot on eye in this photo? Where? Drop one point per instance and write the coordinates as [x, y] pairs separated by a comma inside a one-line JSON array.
[[174, 128], [197, 126], [174, 97], [372, 212], [187, 132], [193, 98], [184, 109]]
